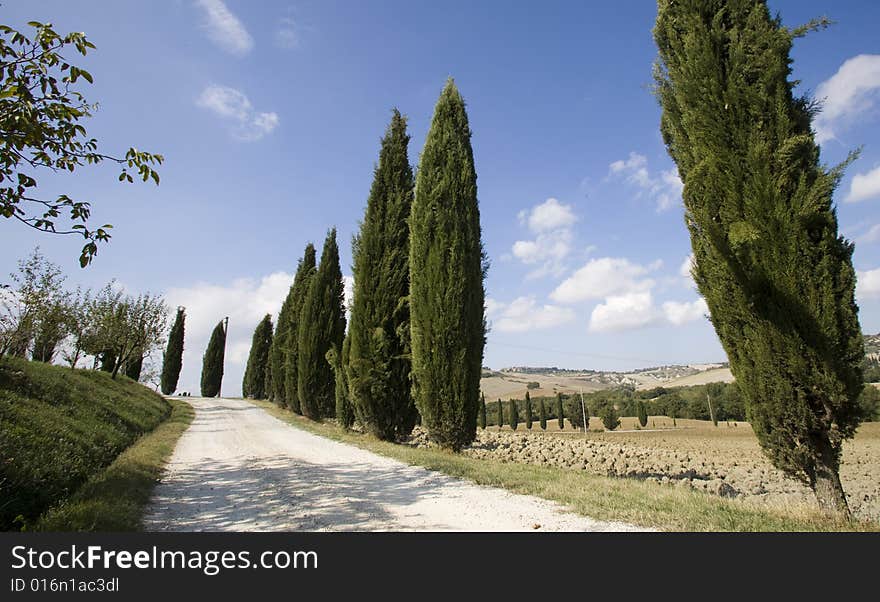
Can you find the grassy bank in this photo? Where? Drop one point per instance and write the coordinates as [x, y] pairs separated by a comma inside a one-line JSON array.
[[59, 428], [631, 501], [115, 499]]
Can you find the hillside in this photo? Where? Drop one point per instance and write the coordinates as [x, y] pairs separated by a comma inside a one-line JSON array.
[[59, 427]]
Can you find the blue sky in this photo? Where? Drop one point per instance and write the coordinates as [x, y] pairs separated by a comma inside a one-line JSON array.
[[269, 115]]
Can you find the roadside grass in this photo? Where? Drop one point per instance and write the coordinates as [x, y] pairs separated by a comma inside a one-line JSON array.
[[115, 499], [604, 498]]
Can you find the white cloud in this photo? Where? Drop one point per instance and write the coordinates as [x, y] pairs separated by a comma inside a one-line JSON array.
[[868, 286], [286, 35], [233, 106], [245, 301], [864, 186], [624, 312], [551, 222], [872, 235], [604, 277], [224, 28], [679, 313], [524, 314], [847, 94], [664, 189]]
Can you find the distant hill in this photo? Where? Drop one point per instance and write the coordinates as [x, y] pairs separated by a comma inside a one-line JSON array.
[[872, 344]]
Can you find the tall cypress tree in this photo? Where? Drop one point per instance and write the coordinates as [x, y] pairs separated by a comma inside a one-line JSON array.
[[379, 366], [542, 413], [172, 360], [481, 418], [528, 411], [776, 275], [282, 353], [212, 362], [321, 326], [514, 415], [560, 412], [500, 414], [338, 361], [305, 271], [254, 382], [447, 269], [643, 414]]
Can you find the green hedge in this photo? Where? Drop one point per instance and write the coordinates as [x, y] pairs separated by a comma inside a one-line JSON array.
[[58, 428]]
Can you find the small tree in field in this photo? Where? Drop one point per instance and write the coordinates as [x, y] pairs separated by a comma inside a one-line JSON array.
[[542, 413], [643, 414], [514, 415], [560, 412], [528, 411], [481, 419], [609, 416], [500, 414]]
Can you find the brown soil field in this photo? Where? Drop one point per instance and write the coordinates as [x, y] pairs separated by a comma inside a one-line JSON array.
[[725, 460]]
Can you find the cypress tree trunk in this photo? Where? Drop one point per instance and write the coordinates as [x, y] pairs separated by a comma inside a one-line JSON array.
[[380, 365], [321, 326], [776, 274], [212, 362], [447, 269], [172, 360], [253, 384]]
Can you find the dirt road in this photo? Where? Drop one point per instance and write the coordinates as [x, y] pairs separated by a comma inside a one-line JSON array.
[[239, 469]]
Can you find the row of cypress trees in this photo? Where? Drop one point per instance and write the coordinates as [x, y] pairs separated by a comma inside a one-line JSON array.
[[414, 347]]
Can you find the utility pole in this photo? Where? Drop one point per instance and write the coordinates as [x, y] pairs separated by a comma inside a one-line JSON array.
[[584, 412], [711, 409]]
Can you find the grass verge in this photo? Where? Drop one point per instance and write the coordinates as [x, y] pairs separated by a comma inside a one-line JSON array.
[[604, 498], [115, 499]]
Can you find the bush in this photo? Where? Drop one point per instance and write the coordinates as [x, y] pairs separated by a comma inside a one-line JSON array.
[[59, 427], [533, 385]]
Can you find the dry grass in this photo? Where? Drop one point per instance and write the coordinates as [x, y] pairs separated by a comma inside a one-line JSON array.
[[635, 502]]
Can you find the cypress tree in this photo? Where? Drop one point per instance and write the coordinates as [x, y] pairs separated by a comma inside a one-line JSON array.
[[560, 412], [543, 414], [514, 415], [776, 275], [379, 366], [254, 382], [321, 326], [212, 362], [282, 353], [338, 361], [500, 414], [172, 359], [447, 269], [528, 411], [643, 414], [305, 271], [481, 419]]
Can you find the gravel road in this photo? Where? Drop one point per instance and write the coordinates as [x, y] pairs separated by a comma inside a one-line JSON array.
[[239, 469]]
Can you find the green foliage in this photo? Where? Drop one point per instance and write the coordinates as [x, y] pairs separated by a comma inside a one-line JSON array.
[[560, 412], [609, 416], [172, 360], [542, 412], [574, 410], [481, 418], [775, 273], [533, 385], [40, 116], [513, 414], [132, 368], [212, 362], [447, 267], [528, 411], [59, 427], [283, 351], [869, 402], [642, 413], [338, 361], [321, 326], [499, 419], [379, 370], [254, 382]]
